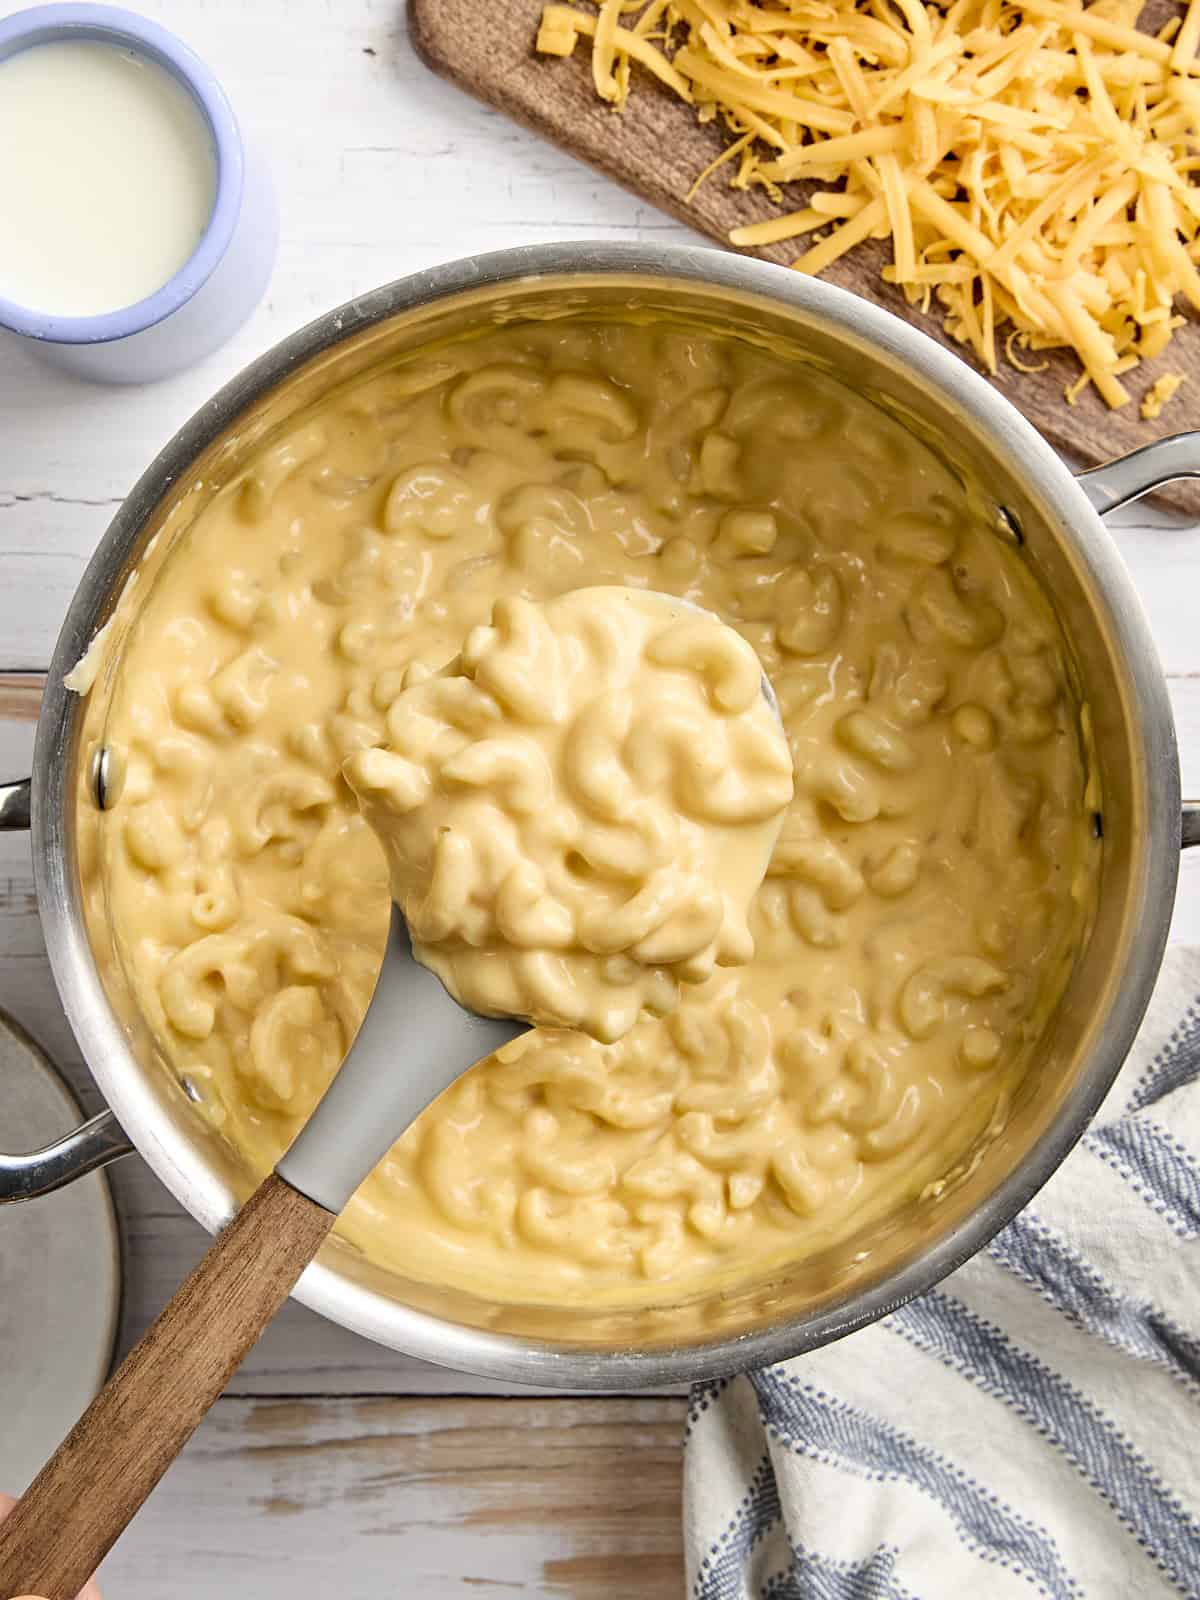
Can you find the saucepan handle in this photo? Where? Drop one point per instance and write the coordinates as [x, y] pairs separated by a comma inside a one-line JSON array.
[[14, 806], [1128, 478], [1142, 471], [93, 1144]]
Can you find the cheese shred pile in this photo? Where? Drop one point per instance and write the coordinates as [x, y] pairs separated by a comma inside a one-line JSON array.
[[1031, 163]]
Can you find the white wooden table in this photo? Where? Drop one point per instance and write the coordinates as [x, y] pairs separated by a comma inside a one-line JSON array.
[[333, 1466]]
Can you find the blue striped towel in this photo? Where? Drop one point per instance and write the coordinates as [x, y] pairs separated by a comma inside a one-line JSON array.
[[1030, 1427]]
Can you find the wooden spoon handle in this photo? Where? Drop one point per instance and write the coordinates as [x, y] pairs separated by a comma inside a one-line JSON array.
[[94, 1483]]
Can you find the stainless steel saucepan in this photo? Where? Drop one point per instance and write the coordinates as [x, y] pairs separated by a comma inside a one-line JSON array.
[[1056, 516]]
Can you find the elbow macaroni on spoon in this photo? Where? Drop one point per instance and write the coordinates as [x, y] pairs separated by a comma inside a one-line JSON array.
[[579, 810], [926, 897]]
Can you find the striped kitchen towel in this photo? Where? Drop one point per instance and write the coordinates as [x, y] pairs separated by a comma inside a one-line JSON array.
[[1030, 1427]]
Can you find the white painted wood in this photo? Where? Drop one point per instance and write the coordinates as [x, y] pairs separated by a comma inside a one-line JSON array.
[[1163, 557], [367, 1500], [381, 170]]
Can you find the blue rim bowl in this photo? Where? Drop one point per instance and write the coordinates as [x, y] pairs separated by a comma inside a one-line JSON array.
[[113, 25]]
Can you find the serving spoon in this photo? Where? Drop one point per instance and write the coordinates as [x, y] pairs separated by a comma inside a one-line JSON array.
[[96, 1481], [415, 1040]]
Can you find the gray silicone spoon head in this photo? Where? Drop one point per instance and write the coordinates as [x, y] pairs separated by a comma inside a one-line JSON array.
[[415, 1040]]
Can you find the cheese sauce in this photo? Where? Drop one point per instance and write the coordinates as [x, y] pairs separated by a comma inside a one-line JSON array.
[[925, 899]]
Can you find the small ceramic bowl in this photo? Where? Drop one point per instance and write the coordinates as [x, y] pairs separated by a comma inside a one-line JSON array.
[[226, 275]]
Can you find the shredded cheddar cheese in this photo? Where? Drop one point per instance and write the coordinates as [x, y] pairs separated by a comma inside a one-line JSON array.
[[1031, 163], [1159, 393]]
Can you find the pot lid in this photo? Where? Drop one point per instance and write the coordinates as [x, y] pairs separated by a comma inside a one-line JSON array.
[[60, 1273]]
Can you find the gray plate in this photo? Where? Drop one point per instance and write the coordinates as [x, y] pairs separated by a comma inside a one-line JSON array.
[[60, 1274]]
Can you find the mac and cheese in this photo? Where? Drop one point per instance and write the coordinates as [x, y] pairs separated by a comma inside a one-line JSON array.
[[925, 899], [578, 811]]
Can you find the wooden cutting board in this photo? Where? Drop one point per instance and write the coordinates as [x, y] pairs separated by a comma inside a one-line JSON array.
[[655, 147]]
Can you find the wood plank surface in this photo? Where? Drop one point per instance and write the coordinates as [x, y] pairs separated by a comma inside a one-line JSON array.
[[60, 1530], [656, 148], [346, 1485], [368, 1499]]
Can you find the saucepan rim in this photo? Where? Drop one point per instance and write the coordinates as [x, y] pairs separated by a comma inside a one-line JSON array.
[[504, 1356]]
